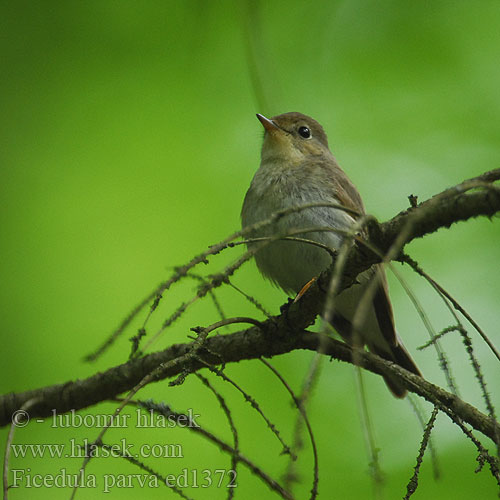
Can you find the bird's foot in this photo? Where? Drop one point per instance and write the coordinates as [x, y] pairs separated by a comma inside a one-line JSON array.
[[304, 289]]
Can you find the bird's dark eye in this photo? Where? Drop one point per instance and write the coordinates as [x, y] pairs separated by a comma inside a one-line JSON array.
[[304, 132]]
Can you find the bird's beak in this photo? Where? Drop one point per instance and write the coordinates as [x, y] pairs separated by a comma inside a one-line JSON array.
[[268, 124]]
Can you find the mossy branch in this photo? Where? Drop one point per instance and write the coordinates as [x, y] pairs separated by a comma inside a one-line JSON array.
[[472, 198]]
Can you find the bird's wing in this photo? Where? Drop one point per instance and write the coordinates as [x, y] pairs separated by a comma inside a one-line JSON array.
[[383, 307], [385, 319]]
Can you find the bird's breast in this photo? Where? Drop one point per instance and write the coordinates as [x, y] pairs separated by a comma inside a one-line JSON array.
[[291, 263]]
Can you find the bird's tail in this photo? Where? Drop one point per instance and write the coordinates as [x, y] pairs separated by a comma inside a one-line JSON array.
[[400, 356]]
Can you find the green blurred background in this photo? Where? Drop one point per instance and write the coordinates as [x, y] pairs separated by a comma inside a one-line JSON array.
[[128, 140]]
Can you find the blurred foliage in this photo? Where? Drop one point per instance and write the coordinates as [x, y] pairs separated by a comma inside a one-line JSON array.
[[127, 142]]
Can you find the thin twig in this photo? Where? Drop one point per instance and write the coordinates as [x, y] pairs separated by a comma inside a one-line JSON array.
[[415, 404], [296, 400], [234, 432], [376, 473], [412, 485], [251, 299], [225, 447], [465, 337], [17, 419], [414, 265], [148, 469], [255, 405], [309, 380]]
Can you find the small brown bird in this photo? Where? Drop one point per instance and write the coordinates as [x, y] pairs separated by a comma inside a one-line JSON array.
[[297, 168]]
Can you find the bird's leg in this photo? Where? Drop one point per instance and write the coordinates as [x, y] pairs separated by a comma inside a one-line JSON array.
[[305, 288]]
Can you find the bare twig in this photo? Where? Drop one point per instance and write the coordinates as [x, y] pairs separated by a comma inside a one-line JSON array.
[[253, 403], [234, 432], [18, 419], [309, 380], [376, 472], [300, 407], [414, 265], [225, 447]]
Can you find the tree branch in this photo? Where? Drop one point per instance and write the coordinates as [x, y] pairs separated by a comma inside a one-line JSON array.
[[475, 197]]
